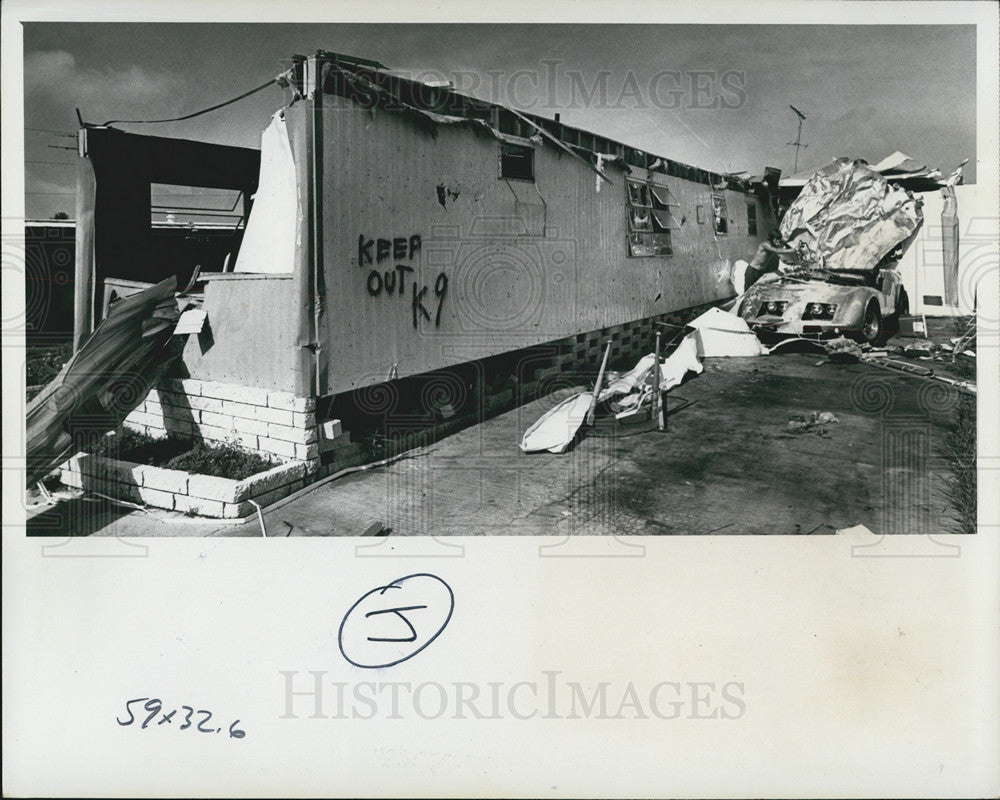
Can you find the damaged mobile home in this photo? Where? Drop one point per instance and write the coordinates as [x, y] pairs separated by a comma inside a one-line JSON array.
[[399, 229]]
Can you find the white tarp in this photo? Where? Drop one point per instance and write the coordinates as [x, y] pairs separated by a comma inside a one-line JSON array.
[[269, 241], [679, 363], [719, 334], [556, 429], [672, 371], [627, 382], [720, 320]]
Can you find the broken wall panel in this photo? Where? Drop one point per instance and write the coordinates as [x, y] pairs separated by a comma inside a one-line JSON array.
[[269, 241], [924, 268], [249, 335]]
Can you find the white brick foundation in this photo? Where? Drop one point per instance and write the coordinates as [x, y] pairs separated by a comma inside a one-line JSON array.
[[274, 424], [175, 490]]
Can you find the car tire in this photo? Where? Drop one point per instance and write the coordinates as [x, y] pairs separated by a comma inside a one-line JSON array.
[[902, 304], [872, 328]]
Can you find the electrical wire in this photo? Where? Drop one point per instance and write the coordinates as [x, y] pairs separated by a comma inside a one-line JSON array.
[[190, 116]]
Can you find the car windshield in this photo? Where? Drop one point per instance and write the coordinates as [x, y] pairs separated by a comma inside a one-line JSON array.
[[845, 277]]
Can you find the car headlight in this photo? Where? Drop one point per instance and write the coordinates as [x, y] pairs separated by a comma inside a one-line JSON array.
[[772, 308], [820, 310]]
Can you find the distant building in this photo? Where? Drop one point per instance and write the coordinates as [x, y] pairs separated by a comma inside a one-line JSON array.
[[50, 253]]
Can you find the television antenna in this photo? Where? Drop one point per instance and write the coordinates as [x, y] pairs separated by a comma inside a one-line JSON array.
[[798, 139]]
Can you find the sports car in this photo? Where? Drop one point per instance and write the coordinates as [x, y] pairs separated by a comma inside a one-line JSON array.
[[826, 303], [844, 235]]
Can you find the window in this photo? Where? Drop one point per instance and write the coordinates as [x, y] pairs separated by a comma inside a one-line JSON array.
[[699, 214], [649, 219], [719, 211], [751, 219], [517, 163]]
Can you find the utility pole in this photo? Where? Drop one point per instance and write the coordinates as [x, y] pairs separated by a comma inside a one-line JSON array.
[[798, 139]]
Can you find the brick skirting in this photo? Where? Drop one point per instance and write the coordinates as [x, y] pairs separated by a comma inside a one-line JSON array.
[[277, 425]]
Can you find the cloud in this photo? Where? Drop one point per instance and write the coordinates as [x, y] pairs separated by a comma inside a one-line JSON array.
[[55, 76]]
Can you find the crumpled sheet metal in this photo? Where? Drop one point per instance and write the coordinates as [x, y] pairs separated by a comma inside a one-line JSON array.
[[848, 217], [107, 378]]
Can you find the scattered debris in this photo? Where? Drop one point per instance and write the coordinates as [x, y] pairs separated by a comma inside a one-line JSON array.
[[673, 370], [967, 339], [843, 350], [557, 428], [679, 363], [191, 321], [107, 378], [44, 492], [913, 326], [797, 343], [721, 334], [627, 382], [815, 421], [918, 349], [918, 371], [375, 529]]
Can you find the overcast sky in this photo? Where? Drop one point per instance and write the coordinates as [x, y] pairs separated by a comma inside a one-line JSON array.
[[713, 96]]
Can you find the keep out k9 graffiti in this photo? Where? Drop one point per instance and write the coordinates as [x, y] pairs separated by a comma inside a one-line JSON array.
[[385, 278]]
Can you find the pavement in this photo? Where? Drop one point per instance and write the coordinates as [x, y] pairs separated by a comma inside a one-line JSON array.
[[729, 463]]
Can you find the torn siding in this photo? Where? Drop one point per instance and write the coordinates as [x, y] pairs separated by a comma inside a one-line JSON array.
[[270, 236]]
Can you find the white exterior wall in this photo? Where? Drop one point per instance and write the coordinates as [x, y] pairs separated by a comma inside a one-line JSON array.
[[922, 266]]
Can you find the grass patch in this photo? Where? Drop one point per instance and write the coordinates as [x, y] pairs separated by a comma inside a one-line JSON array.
[[45, 361], [959, 449], [130, 445], [218, 460]]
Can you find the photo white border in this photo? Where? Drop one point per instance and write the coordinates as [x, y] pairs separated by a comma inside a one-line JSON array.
[[863, 676]]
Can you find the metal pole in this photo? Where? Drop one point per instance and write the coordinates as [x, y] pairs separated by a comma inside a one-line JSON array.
[[798, 137], [657, 396], [597, 386], [798, 143], [84, 269]]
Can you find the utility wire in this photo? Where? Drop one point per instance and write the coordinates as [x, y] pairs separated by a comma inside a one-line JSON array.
[[189, 116]]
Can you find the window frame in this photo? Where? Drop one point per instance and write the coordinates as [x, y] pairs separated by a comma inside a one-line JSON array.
[[525, 149], [645, 231]]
